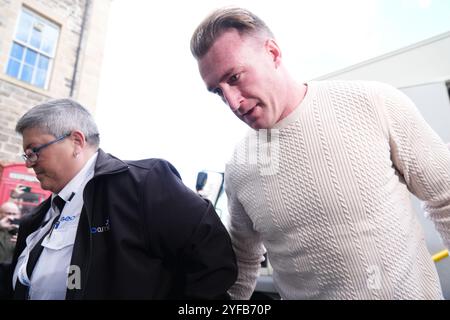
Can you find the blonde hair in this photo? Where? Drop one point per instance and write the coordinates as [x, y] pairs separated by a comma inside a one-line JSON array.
[[244, 21]]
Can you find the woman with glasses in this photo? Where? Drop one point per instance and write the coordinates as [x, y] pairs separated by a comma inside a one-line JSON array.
[[111, 229]]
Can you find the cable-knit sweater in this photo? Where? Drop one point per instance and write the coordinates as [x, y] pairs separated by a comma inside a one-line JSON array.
[[326, 192]]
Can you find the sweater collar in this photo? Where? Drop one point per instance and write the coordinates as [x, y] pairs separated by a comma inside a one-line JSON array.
[[295, 114]]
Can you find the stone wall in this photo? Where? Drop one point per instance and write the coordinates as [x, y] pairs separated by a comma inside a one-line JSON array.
[[16, 97], [14, 102]]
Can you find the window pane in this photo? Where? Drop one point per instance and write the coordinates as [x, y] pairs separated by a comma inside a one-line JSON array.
[[30, 57], [13, 68], [36, 38], [49, 38], [17, 51], [43, 62], [24, 27], [39, 80], [33, 48], [27, 73]]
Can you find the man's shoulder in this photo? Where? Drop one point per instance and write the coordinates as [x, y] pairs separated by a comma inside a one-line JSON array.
[[345, 84], [4, 235], [359, 89]]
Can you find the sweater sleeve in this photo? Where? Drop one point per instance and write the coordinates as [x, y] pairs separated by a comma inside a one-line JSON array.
[[247, 245], [421, 157]]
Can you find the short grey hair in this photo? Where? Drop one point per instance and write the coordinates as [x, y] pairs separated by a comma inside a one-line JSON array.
[[221, 20], [59, 117]]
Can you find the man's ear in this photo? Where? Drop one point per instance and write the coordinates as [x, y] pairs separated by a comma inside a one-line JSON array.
[[79, 140], [274, 50]]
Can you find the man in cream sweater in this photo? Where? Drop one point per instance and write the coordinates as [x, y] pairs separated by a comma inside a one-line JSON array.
[[323, 180]]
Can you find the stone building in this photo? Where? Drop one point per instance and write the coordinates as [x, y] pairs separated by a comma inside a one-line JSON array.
[[48, 49]]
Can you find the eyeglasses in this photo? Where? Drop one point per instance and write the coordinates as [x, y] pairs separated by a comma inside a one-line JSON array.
[[32, 155]]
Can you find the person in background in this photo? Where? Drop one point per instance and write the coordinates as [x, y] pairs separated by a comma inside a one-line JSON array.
[[9, 223], [111, 229], [322, 179]]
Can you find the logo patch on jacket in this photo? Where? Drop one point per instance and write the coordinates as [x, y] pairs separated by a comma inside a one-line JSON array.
[[106, 227]]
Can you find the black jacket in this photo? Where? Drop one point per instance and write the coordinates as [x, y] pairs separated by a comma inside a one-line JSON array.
[[143, 234]]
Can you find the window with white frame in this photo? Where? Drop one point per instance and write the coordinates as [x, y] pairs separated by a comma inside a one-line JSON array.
[[33, 49]]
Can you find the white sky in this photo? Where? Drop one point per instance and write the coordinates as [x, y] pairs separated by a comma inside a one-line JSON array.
[[153, 103]]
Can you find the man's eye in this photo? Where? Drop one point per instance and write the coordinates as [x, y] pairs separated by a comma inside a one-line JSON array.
[[234, 78], [218, 91]]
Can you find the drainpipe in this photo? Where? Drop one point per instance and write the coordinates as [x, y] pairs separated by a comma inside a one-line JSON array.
[[80, 41]]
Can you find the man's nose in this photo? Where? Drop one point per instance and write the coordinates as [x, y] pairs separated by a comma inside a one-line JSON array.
[[233, 98]]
